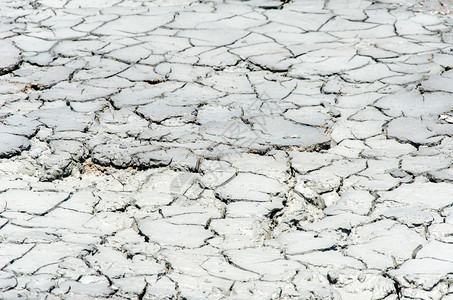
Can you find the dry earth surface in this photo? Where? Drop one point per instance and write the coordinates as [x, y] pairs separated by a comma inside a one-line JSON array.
[[230, 149]]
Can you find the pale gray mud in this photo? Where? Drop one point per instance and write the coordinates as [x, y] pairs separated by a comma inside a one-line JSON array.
[[226, 149]]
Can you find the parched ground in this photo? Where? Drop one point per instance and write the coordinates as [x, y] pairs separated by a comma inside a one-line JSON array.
[[229, 149]]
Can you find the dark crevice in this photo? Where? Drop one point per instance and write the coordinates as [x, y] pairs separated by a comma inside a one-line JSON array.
[[155, 81], [140, 233], [271, 7], [142, 293], [11, 68]]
